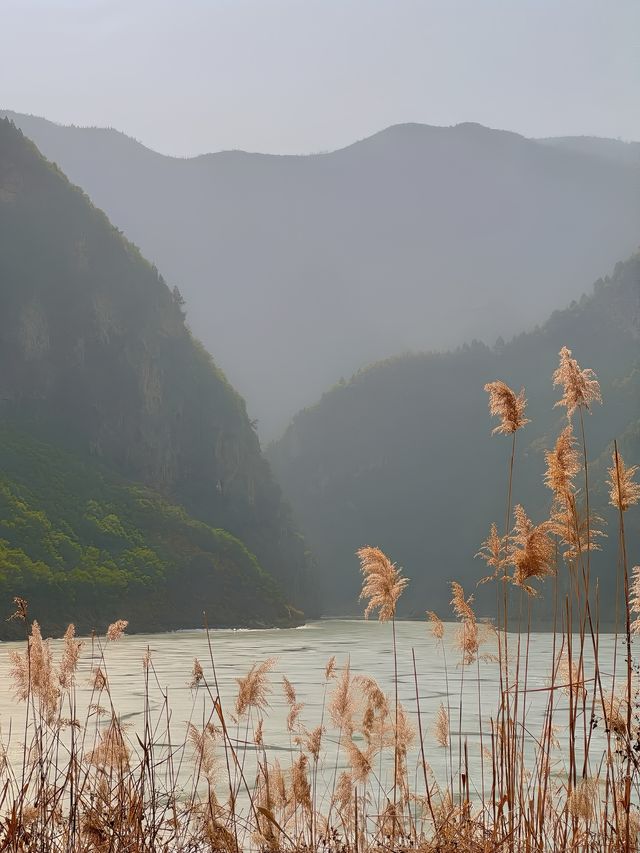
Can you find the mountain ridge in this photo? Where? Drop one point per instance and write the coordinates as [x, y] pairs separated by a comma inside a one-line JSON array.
[[353, 255], [396, 128]]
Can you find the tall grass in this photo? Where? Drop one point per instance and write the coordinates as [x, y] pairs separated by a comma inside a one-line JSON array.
[[86, 781]]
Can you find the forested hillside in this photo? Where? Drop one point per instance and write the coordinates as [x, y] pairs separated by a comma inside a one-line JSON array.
[[402, 455], [96, 359], [84, 546], [300, 270]]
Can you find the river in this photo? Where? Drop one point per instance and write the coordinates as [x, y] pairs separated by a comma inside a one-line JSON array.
[[301, 654]]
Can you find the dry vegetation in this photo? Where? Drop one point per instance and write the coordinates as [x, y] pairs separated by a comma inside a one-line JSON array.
[[92, 784]]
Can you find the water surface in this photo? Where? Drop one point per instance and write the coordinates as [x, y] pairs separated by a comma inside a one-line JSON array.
[[301, 654]]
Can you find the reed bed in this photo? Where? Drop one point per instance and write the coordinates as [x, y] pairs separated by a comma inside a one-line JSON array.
[[359, 778]]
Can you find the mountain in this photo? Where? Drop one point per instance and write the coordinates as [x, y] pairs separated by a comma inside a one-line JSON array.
[[84, 546], [298, 270], [402, 455], [97, 362], [616, 150]]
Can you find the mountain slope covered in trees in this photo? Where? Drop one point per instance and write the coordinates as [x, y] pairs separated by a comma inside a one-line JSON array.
[[97, 361], [402, 455], [84, 546], [300, 270]]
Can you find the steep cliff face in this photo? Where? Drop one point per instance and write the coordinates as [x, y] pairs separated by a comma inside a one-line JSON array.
[[96, 357]]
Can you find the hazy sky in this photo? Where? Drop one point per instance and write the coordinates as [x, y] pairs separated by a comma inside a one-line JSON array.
[[190, 76]]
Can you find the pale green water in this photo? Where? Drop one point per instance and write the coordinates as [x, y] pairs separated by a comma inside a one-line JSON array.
[[302, 654]]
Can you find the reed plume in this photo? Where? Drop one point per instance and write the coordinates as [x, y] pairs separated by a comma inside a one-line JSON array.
[[295, 707], [383, 583], [33, 672], [278, 786], [374, 723], [441, 726], [468, 640], [214, 833], [342, 704], [196, 674], [111, 751], [313, 741], [437, 625], [343, 793], [359, 761], [563, 463], [461, 605], [533, 553], [623, 490], [582, 800], [330, 668], [575, 529], [506, 405], [116, 630], [99, 680], [289, 691], [21, 611], [406, 732], [254, 688], [492, 552], [300, 787], [468, 637], [615, 714], [70, 656], [580, 387]]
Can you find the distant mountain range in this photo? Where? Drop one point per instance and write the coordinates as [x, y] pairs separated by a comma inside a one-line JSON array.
[[615, 150], [402, 456], [299, 270], [132, 484]]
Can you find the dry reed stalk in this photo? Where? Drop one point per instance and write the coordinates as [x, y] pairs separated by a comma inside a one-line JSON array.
[[468, 643], [532, 556], [437, 631], [509, 407], [383, 585], [421, 737], [580, 390], [624, 494]]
